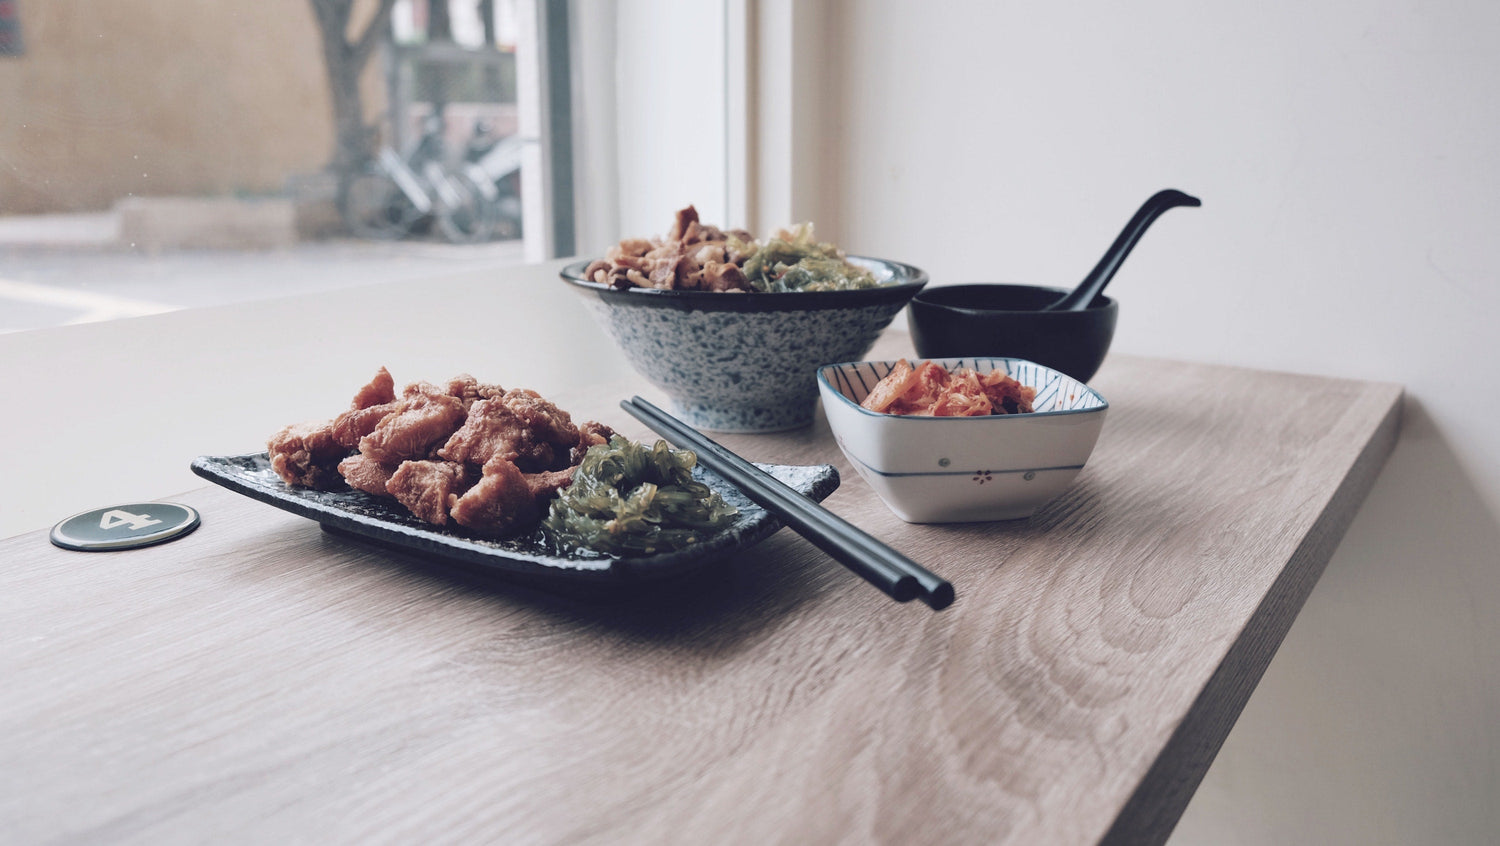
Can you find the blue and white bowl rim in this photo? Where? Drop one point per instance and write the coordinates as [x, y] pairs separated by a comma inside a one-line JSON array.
[[1052, 377]]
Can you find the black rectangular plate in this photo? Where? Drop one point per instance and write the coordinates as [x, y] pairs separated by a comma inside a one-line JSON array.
[[528, 555]]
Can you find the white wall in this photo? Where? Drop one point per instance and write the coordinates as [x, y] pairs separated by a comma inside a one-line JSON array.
[[1348, 158], [596, 194], [670, 115]]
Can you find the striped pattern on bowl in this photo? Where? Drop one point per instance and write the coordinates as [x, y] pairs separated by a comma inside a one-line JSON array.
[[961, 469]]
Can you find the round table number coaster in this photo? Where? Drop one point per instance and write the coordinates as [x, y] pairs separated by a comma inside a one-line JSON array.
[[125, 526]]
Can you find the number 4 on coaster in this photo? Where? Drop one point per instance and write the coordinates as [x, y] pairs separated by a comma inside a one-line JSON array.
[[128, 526], [116, 517]]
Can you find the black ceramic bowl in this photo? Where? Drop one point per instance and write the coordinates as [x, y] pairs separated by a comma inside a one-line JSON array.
[[1007, 321]]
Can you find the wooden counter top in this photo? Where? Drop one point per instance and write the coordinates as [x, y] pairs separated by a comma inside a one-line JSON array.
[[261, 679]]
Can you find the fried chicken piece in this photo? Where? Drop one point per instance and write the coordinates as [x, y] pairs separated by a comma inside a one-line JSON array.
[[589, 434], [427, 487], [424, 417], [551, 423], [381, 390], [348, 428], [545, 485], [364, 473], [471, 390], [521, 427], [492, 429], [483, 428], [498, 503], [306, 454]]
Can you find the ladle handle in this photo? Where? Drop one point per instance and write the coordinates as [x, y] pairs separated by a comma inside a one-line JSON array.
[[1094, 283]]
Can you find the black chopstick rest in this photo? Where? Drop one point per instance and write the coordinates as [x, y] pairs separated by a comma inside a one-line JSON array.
[[898, 576]]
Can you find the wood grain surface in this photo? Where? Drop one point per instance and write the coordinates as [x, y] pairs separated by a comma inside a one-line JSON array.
[[262, 680]]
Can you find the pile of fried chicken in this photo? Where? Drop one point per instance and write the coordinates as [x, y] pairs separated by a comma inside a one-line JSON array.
[[693, 257], [486, 458]]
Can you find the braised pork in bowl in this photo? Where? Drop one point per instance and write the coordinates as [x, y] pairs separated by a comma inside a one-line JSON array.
[[734, 329]]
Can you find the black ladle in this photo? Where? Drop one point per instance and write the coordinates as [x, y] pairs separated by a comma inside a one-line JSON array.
[[1094, 283]]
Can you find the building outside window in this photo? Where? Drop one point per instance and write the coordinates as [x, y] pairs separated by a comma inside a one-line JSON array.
[[157, 154]]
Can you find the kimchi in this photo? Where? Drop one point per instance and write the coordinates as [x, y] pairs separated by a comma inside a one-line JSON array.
[[931, 390]]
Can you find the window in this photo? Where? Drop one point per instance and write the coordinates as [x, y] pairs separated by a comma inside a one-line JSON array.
[[159, 154]]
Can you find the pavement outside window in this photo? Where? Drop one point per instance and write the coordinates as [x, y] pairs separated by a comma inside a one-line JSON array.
[[62, 269]]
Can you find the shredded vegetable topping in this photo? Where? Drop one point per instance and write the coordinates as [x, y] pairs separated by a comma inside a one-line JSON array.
[[795, 261], [630, 499]]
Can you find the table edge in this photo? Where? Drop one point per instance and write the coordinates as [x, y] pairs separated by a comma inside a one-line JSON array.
[[1159, 800]]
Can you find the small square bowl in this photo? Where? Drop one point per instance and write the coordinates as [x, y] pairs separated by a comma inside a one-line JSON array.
[[965, 469]]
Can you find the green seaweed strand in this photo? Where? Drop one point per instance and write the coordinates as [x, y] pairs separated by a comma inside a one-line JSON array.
[[795, 261], [628, 499]]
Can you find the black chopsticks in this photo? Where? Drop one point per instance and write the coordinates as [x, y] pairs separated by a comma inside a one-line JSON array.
[[900, 577]]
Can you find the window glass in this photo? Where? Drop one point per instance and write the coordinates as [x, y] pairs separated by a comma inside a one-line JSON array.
[[162, 154]]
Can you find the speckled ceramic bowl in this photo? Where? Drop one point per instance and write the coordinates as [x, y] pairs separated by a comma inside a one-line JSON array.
[[746, 362], [965, 469]]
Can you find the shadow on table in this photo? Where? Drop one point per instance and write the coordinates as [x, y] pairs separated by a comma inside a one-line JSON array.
[[742, 594]]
